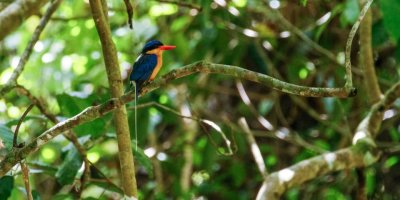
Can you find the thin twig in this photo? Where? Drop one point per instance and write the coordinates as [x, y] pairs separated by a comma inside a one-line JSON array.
[[25, 176], [129, 11], [15, 143], [199, 120], [245, 98], [69, 135], [349, 80], [12, 81], [254, 147], [103, 175], [276, 16]]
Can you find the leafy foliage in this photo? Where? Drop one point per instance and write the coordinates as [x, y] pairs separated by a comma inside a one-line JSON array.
[[6, 186], [66, 72]]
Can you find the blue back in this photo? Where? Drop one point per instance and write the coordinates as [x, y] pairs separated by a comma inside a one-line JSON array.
[[143, 67]]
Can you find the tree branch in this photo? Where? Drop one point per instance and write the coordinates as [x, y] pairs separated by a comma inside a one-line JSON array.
[[367, 60], [93, 112], [100, 17], [241, 73], [12, 81], [68, 135], [349, 79], [255, 150], [278, 182], [361, 154], [280, 20]]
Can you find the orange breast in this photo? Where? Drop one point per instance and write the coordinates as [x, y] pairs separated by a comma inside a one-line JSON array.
[[157, 68]]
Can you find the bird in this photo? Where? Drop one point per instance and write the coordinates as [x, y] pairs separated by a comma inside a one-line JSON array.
[[146, 68], [148, 63]]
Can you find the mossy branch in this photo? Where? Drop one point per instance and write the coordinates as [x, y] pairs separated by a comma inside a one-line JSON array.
[[362, 154], [93, 112]]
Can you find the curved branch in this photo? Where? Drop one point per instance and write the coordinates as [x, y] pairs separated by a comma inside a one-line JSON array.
[[93, 112], [278, 182], [276, 16], [349, 79], [12, 81], [241, 73], [363, 153]]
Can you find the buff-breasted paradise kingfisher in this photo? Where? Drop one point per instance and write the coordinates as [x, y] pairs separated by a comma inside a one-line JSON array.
[[146, 67], [148, 64]]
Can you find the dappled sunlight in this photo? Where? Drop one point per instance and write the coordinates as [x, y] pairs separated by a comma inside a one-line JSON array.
[[360, 135], [256, 99], [330, 158], [285, 175]]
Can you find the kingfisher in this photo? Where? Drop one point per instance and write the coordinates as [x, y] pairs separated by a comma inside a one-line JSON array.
[[148, 63]]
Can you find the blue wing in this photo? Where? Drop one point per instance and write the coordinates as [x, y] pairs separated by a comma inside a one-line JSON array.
[[143, 68]]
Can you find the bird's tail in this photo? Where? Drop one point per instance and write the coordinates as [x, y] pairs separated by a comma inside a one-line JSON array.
[[137, 87], [136, 96]]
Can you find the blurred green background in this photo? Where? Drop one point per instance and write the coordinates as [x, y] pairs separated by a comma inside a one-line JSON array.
[[66, 71]]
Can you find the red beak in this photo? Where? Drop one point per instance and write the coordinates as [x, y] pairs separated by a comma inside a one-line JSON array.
[[167, 47]]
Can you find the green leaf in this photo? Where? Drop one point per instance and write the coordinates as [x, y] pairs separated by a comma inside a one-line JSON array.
[[142, 159], [350, 12], [6, 185], [391, 19], [391, 161], [7, 136], [69, 168], [36, 195], [71, 105], [370, 176], [265, 106], [303, 2], [379, 34]]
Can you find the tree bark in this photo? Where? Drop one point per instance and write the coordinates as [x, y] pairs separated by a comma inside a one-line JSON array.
[[99, 10]]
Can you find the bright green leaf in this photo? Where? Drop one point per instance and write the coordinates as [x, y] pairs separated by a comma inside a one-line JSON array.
[[303, 73], [391, 161], [391, 19], [240, 3], [303, 2], [163, 9], [370, 180], [350, 12]]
